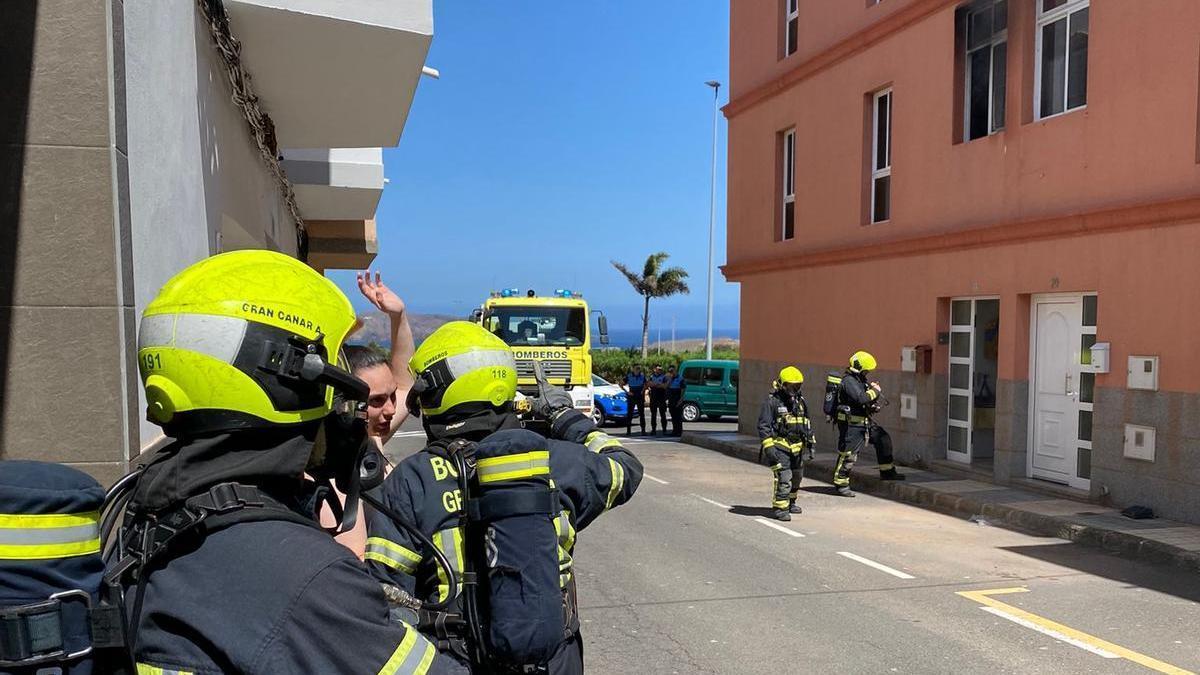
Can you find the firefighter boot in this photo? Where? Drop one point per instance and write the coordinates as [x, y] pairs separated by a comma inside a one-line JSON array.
[[780, 514], [890, 474], [793, 507], [845, 491]]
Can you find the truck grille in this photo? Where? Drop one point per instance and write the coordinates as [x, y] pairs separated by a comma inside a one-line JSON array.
[[553, 368]]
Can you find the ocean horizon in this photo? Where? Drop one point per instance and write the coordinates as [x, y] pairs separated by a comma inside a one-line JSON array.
[[632, 337]]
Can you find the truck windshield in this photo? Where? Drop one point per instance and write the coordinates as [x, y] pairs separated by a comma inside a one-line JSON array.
[[542, 326]]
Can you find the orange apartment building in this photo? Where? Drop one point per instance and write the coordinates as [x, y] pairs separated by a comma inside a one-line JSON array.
[[1001, 201]]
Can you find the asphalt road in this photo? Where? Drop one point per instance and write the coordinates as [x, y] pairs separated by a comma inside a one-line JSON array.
[[689, 577]]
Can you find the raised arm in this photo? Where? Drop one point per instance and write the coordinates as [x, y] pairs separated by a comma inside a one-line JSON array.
[[389, 303]]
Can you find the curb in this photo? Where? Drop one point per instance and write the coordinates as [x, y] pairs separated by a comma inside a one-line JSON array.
[[1111, 541]]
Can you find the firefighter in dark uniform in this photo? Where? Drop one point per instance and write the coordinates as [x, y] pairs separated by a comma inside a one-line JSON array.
[[466, 382], [51, 573], [858, 400], [635, 389], [675, 389], [786, 434], [239, 357]]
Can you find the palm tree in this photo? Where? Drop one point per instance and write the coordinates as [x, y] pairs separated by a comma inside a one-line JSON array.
[[654, 282]]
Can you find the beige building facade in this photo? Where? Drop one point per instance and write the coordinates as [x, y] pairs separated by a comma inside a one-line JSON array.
[[124, 157]]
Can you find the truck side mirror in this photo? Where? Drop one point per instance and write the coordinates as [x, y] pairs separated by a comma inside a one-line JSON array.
[[476, 315], [603, 321]]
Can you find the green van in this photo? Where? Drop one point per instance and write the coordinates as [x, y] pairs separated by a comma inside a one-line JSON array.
[[711, 389]]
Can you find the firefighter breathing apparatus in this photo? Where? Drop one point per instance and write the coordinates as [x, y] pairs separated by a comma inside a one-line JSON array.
[[512, 599]]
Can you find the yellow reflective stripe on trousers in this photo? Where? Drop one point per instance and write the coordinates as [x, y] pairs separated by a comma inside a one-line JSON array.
[[147, 669], [618, 482], [414, 655], [449, 542], [392, 554], [512, 467], [48, 536], [566, 542], [598, 441]]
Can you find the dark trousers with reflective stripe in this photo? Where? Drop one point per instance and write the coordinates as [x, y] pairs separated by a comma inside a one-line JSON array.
[[788, 470], [636, 399], [851, 439]]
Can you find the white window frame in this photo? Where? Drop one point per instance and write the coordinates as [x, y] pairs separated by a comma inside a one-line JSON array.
[[1044, 18], [997, 40], [791, 13], [877, 173], [789, 184], [1085, 406]]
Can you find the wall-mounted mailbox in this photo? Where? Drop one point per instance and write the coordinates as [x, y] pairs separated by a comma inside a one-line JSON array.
[[1100, 354], [918, 359]]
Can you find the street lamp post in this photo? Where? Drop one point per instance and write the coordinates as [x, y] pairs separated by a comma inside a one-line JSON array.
[[712, 220]]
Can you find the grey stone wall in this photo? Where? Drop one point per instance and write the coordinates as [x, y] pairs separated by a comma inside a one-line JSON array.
[[1171, 483], [915, 441], [66, 301]]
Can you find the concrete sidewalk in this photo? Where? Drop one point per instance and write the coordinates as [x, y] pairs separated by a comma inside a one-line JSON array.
[[1157, 540]]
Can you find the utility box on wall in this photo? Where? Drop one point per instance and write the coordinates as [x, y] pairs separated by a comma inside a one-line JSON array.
[[1139, 442], [918, 359], [1143, 373]]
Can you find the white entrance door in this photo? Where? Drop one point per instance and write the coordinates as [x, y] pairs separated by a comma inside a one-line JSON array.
[[1055, 364]]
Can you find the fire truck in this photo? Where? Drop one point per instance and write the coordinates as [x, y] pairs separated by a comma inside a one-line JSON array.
[[554, 330]]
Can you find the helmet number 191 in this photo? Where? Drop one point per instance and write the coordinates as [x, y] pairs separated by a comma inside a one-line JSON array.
[[152, 361]]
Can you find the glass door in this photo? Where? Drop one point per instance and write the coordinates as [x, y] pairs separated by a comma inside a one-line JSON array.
[[958, 432]]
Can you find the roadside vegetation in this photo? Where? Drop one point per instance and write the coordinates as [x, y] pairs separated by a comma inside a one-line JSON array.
[[612, 364]]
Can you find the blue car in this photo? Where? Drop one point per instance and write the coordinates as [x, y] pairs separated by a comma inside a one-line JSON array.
[[610, 403]]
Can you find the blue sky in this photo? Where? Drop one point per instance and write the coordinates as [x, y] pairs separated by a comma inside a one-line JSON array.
[[560, 135]]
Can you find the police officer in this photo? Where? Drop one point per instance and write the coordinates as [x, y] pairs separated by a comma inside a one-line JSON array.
[[785, 433], [858, 400], [239, 354], [675, 389], [466, 382], [635, 389], [658, 399]]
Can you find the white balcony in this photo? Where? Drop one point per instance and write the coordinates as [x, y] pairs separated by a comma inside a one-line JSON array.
[[337, 183], [334, 73]]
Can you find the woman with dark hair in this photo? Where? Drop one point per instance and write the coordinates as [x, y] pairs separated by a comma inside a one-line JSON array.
[[388, 378]]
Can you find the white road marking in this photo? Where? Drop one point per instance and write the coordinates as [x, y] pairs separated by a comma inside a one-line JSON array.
[[871, 563], [777, 526], [1052, 633], [656, 480], [716, 504]]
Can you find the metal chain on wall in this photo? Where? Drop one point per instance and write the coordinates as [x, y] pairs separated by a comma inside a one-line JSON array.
[[262, 129]]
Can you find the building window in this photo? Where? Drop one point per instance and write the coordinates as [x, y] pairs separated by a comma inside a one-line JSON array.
[[791, 26], [1062, 56], [986, 68], [881, 157], [788, 173]]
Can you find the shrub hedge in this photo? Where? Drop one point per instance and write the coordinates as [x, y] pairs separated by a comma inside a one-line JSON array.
[[612, 364]]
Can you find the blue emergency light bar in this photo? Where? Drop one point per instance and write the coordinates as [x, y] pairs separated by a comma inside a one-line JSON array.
[[509, 293], [564, 293]]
